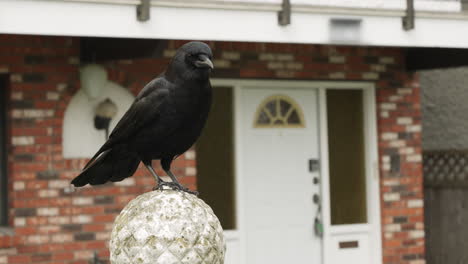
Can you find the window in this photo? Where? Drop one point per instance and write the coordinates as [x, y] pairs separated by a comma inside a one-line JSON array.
[[215, 158], [345, 116], [279, 111], [3, 154]]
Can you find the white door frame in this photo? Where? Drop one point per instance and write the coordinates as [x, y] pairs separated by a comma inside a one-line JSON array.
[[372, 172]]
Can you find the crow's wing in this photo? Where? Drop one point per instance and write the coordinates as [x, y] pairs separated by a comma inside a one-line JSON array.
[[145, 108]]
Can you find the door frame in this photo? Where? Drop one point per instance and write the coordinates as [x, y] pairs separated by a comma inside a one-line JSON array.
[[371, 157]]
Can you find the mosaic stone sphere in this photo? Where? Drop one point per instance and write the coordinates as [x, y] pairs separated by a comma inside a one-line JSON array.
[[167, 227]]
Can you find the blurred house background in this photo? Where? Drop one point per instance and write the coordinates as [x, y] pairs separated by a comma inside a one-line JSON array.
[[445, 161], [313, 150]]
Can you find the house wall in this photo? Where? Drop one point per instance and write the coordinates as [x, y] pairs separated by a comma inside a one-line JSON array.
[[444, 109], [51, 225]]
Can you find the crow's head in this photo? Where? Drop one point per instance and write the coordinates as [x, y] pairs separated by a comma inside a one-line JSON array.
[[192, 61]]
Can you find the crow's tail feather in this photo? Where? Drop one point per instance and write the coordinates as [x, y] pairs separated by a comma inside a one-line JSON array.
[[112, 165]]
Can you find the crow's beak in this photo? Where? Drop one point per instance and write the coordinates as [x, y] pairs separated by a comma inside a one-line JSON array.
[[204, 62]]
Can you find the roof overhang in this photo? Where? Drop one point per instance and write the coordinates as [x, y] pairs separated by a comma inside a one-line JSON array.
[[204, 20]]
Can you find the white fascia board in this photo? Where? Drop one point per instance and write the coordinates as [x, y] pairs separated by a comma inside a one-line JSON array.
[[308, 25]]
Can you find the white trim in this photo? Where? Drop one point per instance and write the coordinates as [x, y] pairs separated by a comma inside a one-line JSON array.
[[451, 10], [228, 22], [324, 170], [238, 167], [372, 181]]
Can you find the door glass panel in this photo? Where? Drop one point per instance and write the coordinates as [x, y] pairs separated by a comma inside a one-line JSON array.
[[215, 158], [279, 111], [346, 156]]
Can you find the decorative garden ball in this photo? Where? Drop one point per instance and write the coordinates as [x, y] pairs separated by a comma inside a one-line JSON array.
[[167, 227]]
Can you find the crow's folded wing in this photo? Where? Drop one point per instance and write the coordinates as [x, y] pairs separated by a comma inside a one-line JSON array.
[[146, 107]]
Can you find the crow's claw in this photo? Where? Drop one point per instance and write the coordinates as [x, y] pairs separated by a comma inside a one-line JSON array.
[[174, 186]]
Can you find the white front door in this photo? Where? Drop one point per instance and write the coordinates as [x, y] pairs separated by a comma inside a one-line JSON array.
[[279, 138]]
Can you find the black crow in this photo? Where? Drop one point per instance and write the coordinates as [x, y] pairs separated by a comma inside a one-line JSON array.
[[163, 122]]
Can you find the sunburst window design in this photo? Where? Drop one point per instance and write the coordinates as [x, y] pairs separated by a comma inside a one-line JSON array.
[[279, 111]]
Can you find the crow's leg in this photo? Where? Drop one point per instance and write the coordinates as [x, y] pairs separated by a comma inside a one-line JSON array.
[[178, 185], [158, 179], [166, 165]]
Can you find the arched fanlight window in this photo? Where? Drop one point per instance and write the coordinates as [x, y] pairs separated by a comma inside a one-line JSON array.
[[279, 111]]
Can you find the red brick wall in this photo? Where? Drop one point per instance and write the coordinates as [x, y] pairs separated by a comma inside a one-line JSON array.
[[54, 226]]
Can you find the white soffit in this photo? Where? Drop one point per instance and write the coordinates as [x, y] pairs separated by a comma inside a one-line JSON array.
[[231, 21]]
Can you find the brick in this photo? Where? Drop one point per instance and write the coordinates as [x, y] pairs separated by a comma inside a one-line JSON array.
[[19, 259], [388, 197], [284, 57], [47, 175], [16, 96], [378, 68], [72, 227], [418, 261], [404, 91], [62, 256], [337, 75], [389, 136], [169, 53], [52, 96], [74, 60], [416, 203], [190, 171], [104, 200], [86, 255], [82, 219], [284, 74], [275, 65], [38, 257], [18, 185], [370, 76], [190, 155], [231, 55], [33, 77], [388, 106], [58, 184], [392, 228], [61, 87], [16, 78], [82, 200], [416, 234], [221, 63], [387, 60], [22, 141], [294, 66], [19, 221], [102, 236], [8, 251], [337, 59], [47, 211], [48, 193], [25, 211], [404, 120], [38, 239], [84, 236], [413, 128], [414, 158]]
